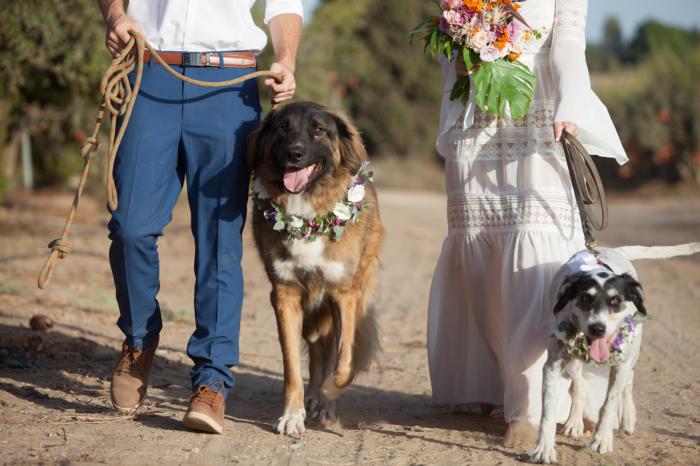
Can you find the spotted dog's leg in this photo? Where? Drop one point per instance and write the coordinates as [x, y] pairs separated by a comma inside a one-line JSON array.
[[545, 451], [629, 412], [603, 437], [574, 425]]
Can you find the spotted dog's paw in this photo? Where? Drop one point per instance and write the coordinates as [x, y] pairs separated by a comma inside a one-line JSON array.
[[545, 452], [602, 443], [629, 418], [292, 422], [574, 427]]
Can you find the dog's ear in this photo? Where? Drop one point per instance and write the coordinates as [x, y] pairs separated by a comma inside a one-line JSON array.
[[254, 143], [634, 293], [251, 155], [567, 292], [352, 150]]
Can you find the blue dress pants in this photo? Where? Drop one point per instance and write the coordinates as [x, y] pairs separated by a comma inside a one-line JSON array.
[[180, 132]]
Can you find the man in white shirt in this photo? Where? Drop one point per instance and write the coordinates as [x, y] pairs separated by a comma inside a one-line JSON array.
[[179, 131]]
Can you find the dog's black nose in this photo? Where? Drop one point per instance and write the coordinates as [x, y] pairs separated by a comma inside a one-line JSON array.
[[295, 153], [596, 330]]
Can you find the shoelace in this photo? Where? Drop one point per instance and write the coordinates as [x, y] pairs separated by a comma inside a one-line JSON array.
[[130, 362], [206, 394]]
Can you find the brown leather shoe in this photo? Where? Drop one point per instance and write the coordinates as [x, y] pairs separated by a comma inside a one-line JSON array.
[[206, 411], [130, 377]]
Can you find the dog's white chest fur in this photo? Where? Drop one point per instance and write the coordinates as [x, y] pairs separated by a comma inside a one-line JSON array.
[[308, 256]]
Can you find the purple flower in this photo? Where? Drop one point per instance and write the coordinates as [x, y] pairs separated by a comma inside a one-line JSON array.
[[619, 340], [270, 215], [631, 324]]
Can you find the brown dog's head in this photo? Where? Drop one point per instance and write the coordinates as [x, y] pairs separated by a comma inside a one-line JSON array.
[[304, 146]]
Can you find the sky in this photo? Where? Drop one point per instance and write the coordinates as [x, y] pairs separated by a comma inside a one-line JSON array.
[[630, 12]]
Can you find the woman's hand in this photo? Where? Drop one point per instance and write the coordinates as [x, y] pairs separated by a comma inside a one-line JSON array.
[[118, 33], [560, 126], [461, 68]]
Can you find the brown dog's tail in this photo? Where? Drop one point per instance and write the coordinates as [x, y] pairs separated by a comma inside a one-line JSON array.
[[367, 343]]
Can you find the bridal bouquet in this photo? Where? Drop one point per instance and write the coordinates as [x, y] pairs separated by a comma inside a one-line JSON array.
[[489, 35]]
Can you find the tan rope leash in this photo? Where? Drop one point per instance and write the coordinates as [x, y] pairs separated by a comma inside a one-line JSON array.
[[118, 99]]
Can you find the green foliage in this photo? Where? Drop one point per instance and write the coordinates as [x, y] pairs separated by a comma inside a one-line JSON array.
[[659, 118], [51, 59], [652, 94], [500, 82], [355, 57]]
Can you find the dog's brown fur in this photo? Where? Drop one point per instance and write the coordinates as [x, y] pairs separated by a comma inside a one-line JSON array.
[[335, 317]]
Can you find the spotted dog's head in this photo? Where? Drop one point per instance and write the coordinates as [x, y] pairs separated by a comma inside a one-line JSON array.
[[304, 148], [598, 301]]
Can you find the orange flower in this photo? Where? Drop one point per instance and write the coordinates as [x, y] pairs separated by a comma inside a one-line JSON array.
[[513, 56], [475, 5], [502, 41]]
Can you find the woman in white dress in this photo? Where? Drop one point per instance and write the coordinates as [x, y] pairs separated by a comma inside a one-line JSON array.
[[512, 221]]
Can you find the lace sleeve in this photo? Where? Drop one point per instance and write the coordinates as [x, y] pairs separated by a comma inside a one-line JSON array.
[[576, 102]]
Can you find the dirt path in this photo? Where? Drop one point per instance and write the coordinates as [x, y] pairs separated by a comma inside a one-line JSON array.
[[53, 403]]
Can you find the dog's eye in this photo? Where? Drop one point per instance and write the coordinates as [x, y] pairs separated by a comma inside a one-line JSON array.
[[284, 126], [614, 301], [319, 130]]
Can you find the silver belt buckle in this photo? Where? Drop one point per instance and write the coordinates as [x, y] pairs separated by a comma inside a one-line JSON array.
[[192, 59]]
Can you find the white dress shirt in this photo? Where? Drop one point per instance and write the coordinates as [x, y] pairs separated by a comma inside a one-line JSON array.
[[206, 25]]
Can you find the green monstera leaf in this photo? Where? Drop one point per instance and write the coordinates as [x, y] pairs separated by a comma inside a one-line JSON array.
[[502, 81]]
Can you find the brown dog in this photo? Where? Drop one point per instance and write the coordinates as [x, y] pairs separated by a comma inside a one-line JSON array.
[[317, 228]]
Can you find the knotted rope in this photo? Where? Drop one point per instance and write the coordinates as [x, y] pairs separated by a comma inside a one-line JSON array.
[[118, 98]]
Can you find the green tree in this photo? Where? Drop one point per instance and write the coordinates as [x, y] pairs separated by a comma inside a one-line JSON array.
[[355, 57], [51, 60]]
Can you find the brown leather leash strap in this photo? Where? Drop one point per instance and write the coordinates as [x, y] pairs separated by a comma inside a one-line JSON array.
[[588, 188], [118, 99]]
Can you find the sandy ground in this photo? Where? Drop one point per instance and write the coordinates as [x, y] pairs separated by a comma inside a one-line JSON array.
[[54, 385]]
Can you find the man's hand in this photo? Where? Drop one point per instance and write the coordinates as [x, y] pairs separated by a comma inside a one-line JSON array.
[[560, 126], [283, 90], [285, 31], [118, 33]]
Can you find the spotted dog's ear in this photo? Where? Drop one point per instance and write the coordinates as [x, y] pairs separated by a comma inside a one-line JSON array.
[[633, 292], [567, 292], [352, 150]]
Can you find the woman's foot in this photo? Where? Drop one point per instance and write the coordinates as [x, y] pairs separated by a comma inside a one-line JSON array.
[[520, 434]]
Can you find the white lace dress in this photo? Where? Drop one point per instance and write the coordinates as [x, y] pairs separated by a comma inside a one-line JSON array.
[[512, 221]]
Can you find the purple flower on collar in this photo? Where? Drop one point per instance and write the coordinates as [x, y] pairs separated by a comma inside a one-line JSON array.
[[631, 324], [270, 215], [619, 340]]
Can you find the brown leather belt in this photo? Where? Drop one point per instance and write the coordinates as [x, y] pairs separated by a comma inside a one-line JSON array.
[[231, 59]]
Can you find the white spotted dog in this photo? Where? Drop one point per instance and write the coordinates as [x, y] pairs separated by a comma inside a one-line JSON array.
[[598, 314]]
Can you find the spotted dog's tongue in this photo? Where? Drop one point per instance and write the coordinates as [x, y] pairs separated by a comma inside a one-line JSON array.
[[296, 180], [599, 350]]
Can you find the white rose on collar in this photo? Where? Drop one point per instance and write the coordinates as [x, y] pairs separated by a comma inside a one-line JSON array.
[[356, 193], [296, 222], [342, 211]]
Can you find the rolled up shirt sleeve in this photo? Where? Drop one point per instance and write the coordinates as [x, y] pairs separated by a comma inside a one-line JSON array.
[[279, 7], [576, 101]]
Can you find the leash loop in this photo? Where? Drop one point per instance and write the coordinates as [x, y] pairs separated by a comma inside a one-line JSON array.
[[588, 189], [118, 99]]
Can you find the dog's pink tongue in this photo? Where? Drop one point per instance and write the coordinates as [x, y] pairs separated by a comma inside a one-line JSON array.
[[296, 180], [599, 350]]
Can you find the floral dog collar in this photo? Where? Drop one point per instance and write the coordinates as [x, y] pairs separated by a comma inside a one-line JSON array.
[[331, 224]]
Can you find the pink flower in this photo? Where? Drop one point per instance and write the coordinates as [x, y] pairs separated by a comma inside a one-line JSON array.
[[449, 4], [479, 40], [452, 17], [489, 53]]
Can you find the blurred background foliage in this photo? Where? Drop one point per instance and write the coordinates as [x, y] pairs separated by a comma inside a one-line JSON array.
[[354, 57]]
